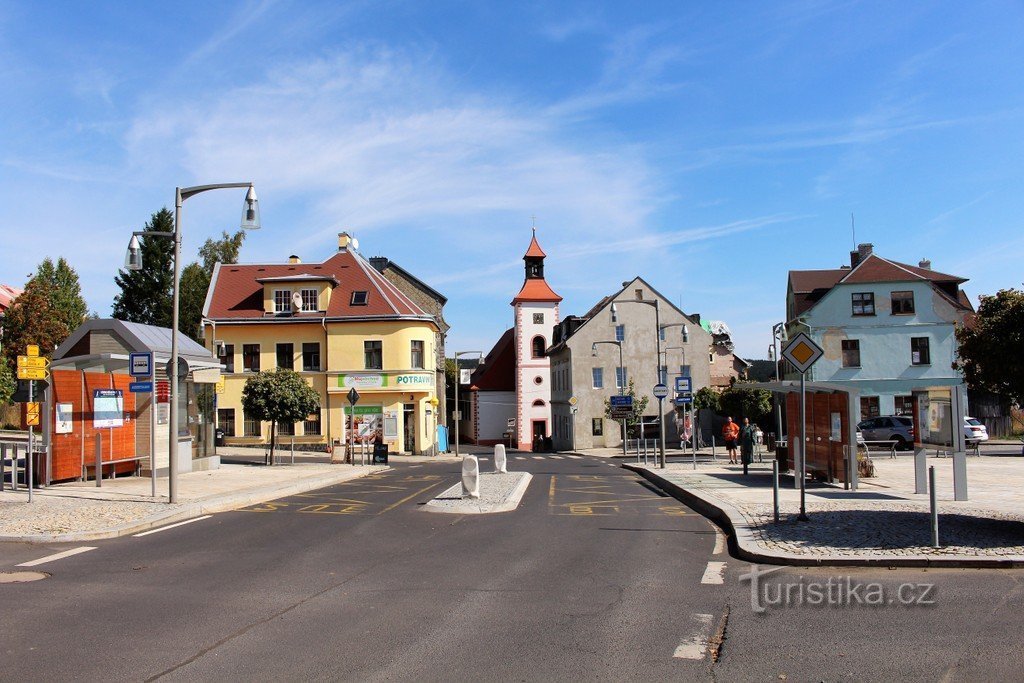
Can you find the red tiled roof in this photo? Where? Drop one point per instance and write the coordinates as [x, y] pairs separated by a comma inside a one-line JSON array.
[[498, 372], [874, 268], [237, 293], [7, 296], [534, 251], [809, 280], [536, 290]]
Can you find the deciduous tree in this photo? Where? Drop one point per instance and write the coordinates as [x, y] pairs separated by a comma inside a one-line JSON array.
[[991, 349], [31, 319], [278, 396], [639, 407]]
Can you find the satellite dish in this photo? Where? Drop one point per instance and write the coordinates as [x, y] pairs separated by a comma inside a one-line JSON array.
[[297, 301], [355, 243]]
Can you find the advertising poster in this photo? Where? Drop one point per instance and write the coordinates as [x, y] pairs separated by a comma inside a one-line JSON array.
[[368, 422], [107, 408]]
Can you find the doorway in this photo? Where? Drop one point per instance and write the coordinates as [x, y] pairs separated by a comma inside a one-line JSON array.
[[409, 426], [539, 430]]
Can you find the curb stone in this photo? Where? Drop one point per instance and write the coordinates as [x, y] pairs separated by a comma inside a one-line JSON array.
[[199, 508], [743, 546]]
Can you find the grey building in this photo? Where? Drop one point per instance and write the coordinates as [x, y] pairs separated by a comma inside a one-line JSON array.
[[591, 374]]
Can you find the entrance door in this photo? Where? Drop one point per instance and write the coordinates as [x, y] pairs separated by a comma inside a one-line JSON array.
[[409, 424], [539, 429]]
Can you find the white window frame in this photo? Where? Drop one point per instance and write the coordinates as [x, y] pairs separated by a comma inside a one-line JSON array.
[[284, 305], [310, 300]]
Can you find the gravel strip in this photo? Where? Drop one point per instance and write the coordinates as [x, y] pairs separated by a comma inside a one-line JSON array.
[[59, 515], [499, 492]]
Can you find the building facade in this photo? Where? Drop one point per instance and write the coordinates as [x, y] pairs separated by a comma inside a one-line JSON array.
[[342, 325], [886, 328], [591, 373]]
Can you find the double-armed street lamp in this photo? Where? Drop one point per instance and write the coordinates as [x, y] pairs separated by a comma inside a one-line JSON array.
[[778, 335], [458, 381], [133, 261], [621, 382], [657, 365]]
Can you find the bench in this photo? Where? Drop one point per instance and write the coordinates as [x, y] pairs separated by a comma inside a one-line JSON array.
[[99, 477]]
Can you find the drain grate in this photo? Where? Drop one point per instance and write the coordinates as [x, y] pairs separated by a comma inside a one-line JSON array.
[[22, 577]]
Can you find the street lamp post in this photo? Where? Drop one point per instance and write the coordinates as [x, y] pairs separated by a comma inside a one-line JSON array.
[[778, 333], [458, 381], [622, 382], [133, 261], [657, 366]]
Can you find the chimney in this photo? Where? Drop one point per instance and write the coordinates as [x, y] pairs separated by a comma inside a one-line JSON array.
[[294, 259], [379, 263], [854, 259], [925, 264], [865, 250], [344, 240]]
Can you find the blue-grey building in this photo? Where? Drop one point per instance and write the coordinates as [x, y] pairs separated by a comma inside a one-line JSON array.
[[886, 328]]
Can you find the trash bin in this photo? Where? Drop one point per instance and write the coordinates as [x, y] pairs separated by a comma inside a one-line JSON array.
[[218, 437], [782, 455]]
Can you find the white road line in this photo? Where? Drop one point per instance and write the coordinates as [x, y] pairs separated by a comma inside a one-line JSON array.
[[171, 526], [720, 543], [695, 646], [574, 457], [556, 457], [537, 457], [714, 573], [58, 556]]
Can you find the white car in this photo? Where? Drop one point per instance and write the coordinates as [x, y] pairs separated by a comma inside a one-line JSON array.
[[974, 431]]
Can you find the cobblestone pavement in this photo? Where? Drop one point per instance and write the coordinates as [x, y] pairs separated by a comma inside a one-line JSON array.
[[60, 515], [498, 492], [873, 521]]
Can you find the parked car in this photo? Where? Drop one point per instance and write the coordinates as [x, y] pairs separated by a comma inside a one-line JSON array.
[[898, 428], [974, 431]]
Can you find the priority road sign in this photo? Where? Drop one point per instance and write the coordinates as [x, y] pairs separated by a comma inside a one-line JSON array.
[[802, 352], [353, 396]]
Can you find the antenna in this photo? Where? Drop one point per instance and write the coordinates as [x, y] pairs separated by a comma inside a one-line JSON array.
[[853, 230]]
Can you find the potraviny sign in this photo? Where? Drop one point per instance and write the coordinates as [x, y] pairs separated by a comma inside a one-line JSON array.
[[379, 380]]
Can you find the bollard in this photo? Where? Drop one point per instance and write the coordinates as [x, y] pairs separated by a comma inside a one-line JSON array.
[[714, 455], [470, 477], [293, 450], [500, 461], [775, 488], [99, 460], [934, 505]]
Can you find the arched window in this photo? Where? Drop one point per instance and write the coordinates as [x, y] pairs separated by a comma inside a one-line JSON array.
[[538, 347], [538, 403]]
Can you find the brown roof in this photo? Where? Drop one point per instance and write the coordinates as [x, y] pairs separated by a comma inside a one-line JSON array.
[[536, 290], [534, 251], [498, 372], [874, 268], [237, 290], [804, 281]]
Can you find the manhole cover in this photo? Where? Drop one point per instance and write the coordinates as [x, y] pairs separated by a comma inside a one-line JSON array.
[[21, 577]]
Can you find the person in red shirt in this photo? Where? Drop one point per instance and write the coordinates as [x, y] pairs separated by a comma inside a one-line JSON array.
[[731, 432]]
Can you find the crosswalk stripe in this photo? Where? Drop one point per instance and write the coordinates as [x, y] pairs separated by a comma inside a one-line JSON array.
[[537, 457], [714, 573], [557, 457]]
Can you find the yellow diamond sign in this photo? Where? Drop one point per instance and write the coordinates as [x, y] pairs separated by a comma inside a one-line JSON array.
[[802, 352]]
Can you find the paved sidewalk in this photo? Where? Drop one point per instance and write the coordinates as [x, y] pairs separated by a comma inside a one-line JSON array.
[[883, 523], [80, 511]]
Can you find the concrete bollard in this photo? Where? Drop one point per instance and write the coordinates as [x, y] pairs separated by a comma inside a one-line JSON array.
[[470, 477], [500, 461]]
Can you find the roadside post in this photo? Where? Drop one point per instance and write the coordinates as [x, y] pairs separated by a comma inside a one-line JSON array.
[[572, 410], [470, 476], [660, 392], [775, 488], [353, 399], [802, 352], [684, 398], [141, 366], [934, 506], [31, 367]]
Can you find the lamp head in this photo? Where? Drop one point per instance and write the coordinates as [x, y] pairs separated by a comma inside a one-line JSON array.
[[615, 314], [593, 350], [133, 257], [251, 211]]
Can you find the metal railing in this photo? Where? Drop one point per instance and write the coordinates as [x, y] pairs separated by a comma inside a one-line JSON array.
[[13, 465]]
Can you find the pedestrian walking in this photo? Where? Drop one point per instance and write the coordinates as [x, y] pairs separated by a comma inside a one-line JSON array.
[[731, 432], [748, 437]]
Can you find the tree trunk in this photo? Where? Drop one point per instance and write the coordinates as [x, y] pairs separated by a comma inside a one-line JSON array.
[[273, 434]]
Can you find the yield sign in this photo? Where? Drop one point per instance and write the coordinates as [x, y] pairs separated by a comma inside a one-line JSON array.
[[802, 352]]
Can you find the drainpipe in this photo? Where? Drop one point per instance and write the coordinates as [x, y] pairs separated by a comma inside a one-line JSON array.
[[327, 389]]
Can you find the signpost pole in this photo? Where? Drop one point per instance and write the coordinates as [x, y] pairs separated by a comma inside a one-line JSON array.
[[31, 442], [803, 447]]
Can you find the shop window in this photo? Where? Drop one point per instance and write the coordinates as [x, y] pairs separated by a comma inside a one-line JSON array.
[[226, 421], [227, 359], [919, 351], [251, 357], [416, 352], [373, 354], [538, 347], [597, 426], [851, 353], [863, 303], [311, 356], [902, 303], [286, 356], [903, 405]]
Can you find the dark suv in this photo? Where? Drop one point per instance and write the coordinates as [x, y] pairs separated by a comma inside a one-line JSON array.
[[898, 428]]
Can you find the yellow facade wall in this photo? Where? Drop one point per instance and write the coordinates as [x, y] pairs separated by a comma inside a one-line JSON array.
[[341, 355]]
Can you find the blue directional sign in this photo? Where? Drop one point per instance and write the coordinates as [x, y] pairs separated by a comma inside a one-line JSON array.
[[683, 400], [620, 401], [683, 384], [140, 387]]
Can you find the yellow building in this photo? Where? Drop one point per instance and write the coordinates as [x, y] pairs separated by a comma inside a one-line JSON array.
[[341, 325]]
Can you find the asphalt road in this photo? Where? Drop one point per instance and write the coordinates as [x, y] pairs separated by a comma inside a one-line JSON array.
[[596, 576]]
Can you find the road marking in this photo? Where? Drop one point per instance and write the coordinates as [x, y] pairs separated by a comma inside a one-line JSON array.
[[574, 457], [714, 573], [557, 457], [720, 543], [58, 556], [537, 457], [696, 645], [171, 526]]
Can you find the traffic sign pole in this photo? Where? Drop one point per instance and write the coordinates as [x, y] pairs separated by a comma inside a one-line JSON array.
[[802, 352]]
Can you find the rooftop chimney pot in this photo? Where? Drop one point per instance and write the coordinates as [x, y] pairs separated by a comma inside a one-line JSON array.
[[294, 259], [925, 263]]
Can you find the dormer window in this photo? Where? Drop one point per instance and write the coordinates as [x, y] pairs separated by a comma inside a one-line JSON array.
[[359, 298], [282, 300], [310, 300]]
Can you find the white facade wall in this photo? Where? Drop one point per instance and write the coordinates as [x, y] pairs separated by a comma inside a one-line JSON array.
[[533, 375], [491, 411]]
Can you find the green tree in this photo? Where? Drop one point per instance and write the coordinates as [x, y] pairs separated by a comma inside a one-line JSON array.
[[224, 250], [31, 319], [145, 295], [7, 382], [707, 398], [639, 407], [991, 348], [740, 402], [65, 292], [278, 396], [192, 292]]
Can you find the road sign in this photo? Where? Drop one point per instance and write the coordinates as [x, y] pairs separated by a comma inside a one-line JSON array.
[[353, 396], [32, 350], [219, 386], [573, 400], [32, 414], [140, 387], [621, 407], [33, 362], [683, 400], [802, 352], [510, 423], [140, 364], [683, 384], [660, 391], [183, 368], [33, 373]]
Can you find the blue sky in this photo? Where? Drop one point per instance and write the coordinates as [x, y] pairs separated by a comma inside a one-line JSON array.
[[708, 147]]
